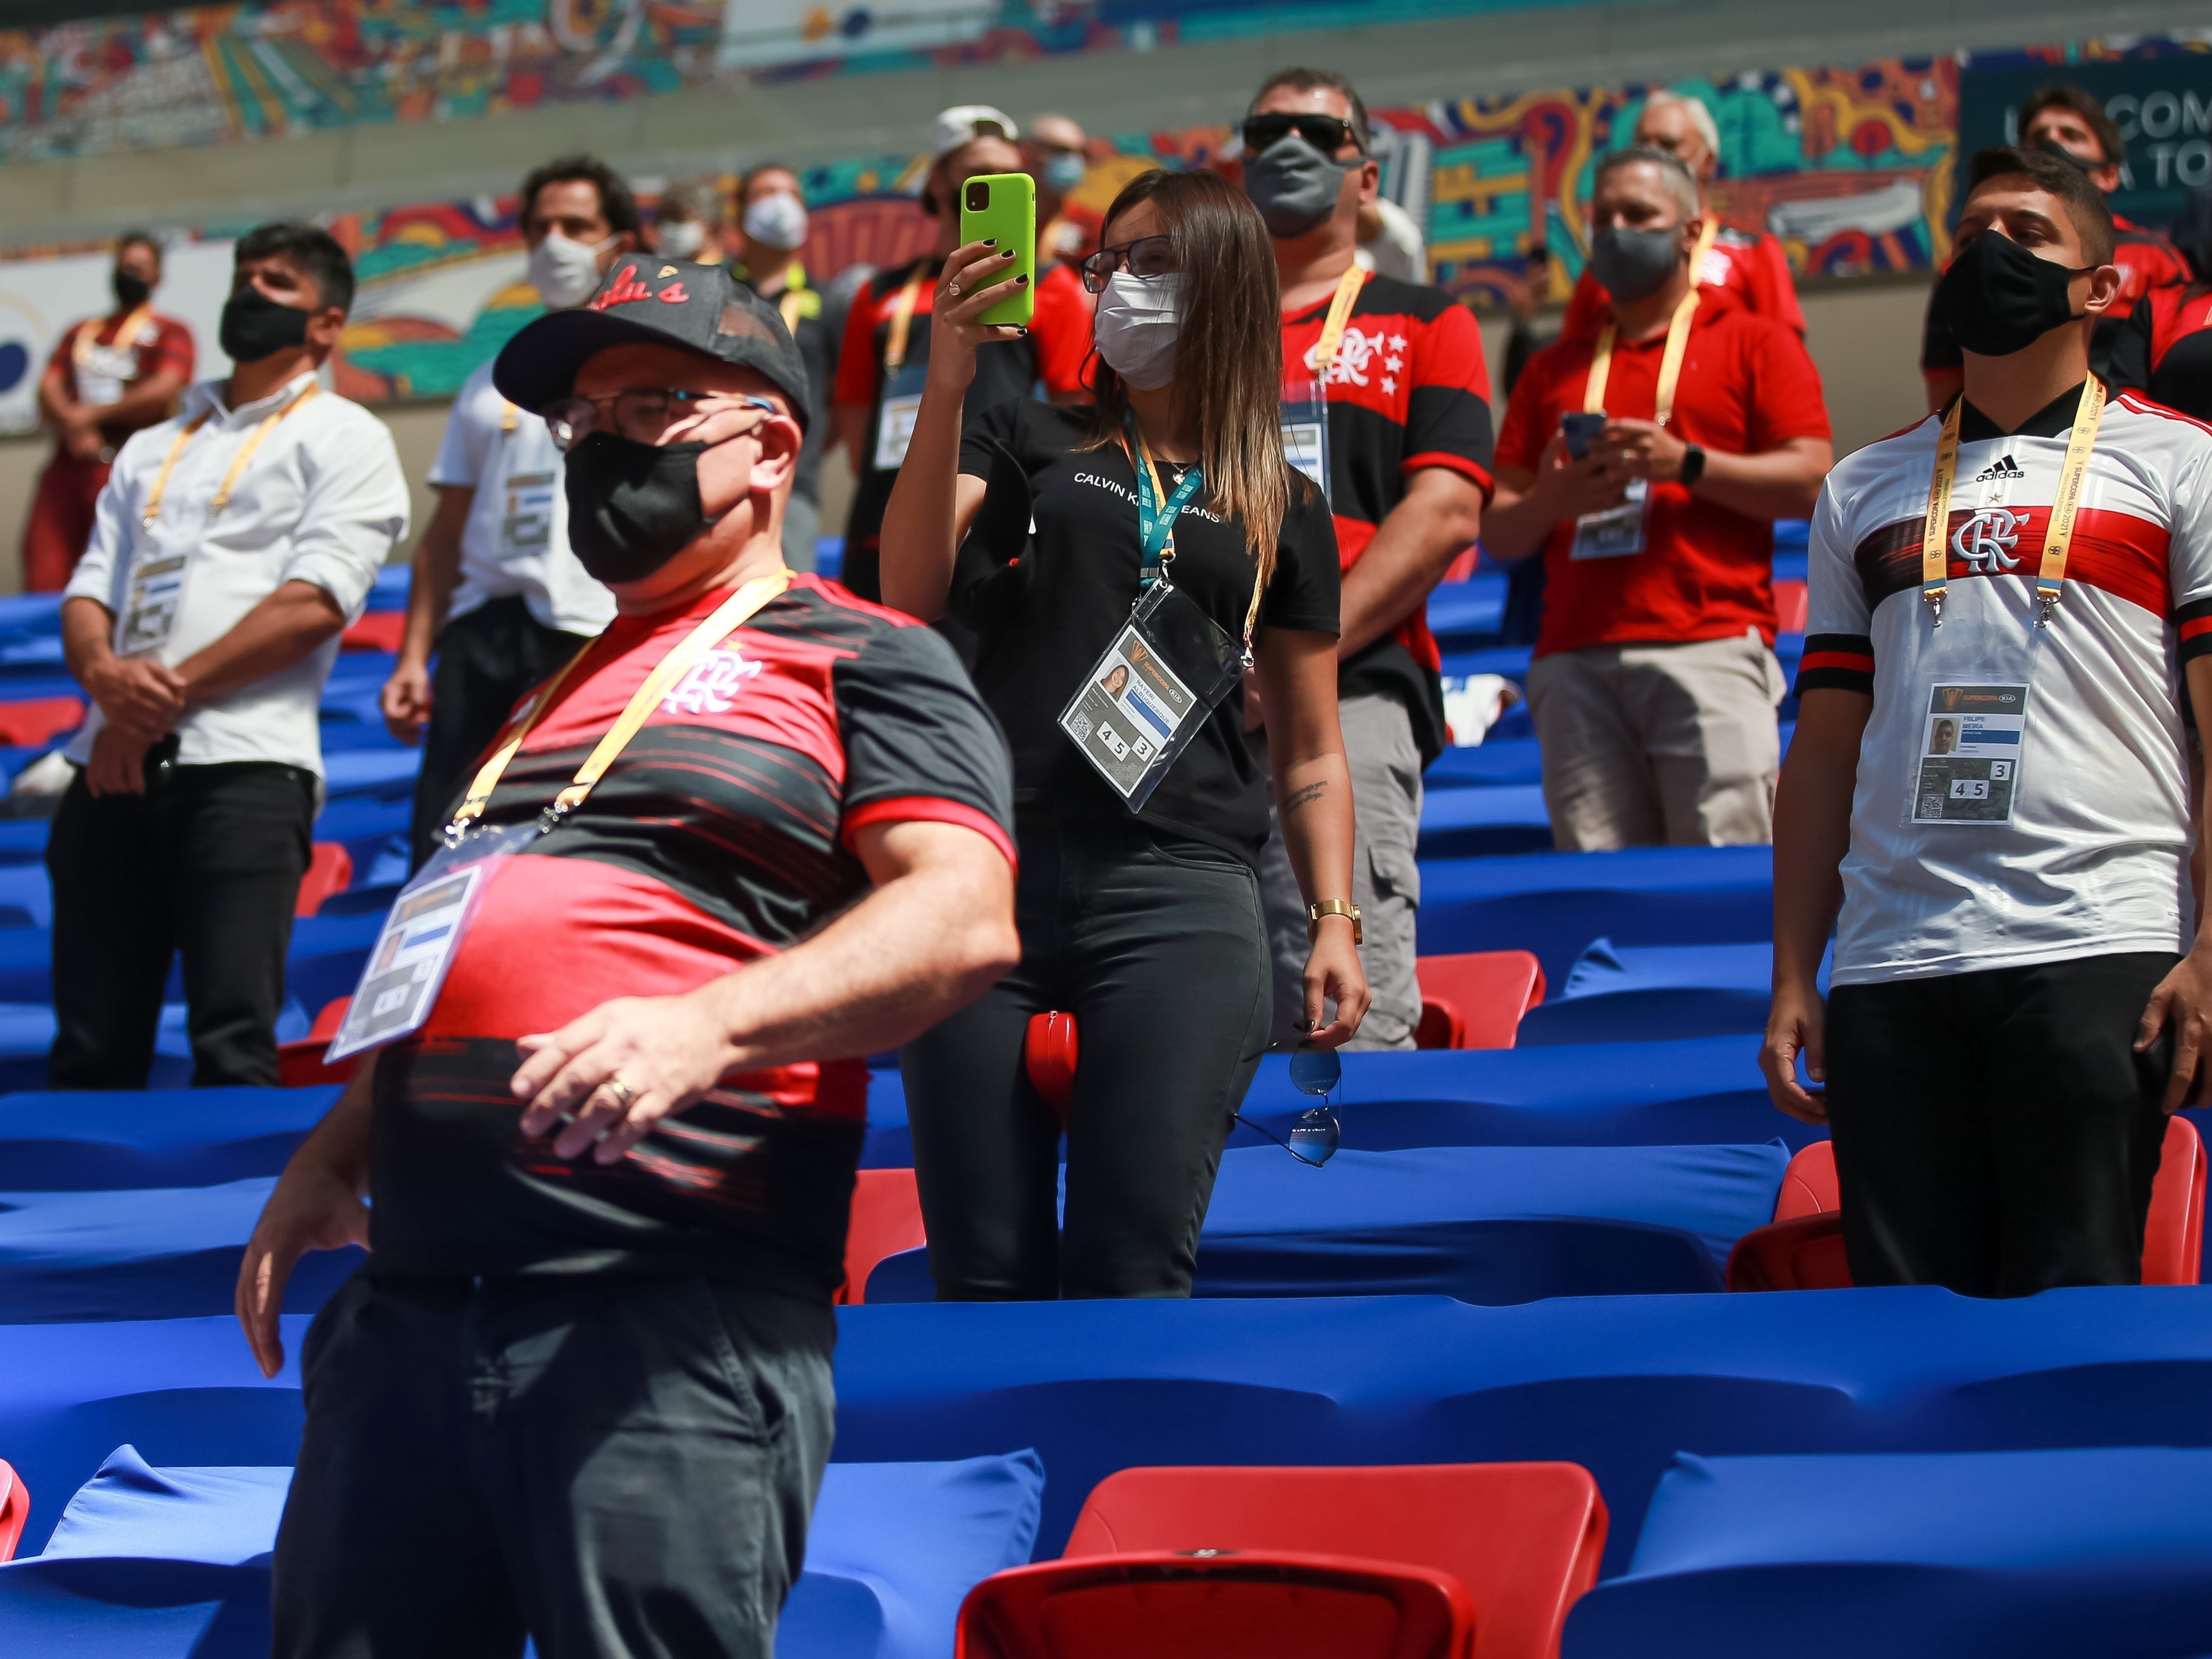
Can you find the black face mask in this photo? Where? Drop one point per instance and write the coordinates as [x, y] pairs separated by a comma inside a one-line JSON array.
[[2052, 147], [632, 507], [130, 292], [1998, 298], [1631, 264], [255, 326]]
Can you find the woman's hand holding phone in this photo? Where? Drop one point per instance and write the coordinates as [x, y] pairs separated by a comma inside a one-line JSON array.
[[972, 281]]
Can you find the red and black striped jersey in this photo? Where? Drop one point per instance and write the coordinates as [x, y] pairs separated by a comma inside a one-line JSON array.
[[2092, 857], [722, 835], [1407, 389], [2165, 349]]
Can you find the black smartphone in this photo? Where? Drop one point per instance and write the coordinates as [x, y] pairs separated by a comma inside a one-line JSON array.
[[1581, 431]]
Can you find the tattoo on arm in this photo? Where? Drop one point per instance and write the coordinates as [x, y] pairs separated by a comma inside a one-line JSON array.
[[1305, 797]]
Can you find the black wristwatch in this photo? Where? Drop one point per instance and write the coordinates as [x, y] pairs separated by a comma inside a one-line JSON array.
[[1693, 465]]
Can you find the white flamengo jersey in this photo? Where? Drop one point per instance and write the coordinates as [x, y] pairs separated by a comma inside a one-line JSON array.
[[2023, 791]]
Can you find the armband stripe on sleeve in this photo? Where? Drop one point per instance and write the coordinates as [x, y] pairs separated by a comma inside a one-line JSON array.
[[2192, 626], [1837, 662]]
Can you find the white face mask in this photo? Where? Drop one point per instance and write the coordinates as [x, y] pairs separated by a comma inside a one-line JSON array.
[[778, 221], [564, 272], [1136, 325], [680, 239]]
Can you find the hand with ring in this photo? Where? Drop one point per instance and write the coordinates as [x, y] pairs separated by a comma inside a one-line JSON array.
[[604, 1080], [976, 276]]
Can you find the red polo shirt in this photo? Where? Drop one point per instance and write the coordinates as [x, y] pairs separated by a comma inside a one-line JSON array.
[[1705, 573]]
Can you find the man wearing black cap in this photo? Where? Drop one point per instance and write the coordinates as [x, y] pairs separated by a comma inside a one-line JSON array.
[[582, 1391]]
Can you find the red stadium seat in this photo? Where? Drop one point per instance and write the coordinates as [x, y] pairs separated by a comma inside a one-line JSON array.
[[1268, 1605], [329, 870], [36, 720], [1808, 1186], [15, 1511], [1476, 1000], [1523, 1538], [300, 1064], [1792, 604], [1049, 1056], [1803, 1249], [376, 630], [886, 1219]]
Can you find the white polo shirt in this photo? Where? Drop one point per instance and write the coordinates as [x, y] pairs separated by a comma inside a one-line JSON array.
[[2022, 792], [516, 540], [322, 499]]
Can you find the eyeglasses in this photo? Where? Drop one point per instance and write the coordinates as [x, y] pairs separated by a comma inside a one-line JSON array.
[[1315, 1133], [643, 413], [1148, 256], [1326, 133]]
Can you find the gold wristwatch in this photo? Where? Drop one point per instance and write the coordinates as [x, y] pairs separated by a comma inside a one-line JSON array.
[[1335, 907]]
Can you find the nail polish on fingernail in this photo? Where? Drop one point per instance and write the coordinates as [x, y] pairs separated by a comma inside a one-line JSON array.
[[990, 241], [1021, 282]]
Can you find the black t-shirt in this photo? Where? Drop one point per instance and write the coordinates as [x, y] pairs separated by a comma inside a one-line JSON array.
[[1083, 566]]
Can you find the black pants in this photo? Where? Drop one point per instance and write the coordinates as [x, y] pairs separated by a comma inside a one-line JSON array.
[[207, 862], [1995, 1132], [486, 660], [1157, 946], [617, 1466]]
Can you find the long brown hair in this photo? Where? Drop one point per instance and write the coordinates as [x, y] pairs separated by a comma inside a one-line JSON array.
[[1229, 351]]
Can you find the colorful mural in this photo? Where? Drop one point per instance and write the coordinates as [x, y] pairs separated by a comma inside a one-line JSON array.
[[1851, 168]]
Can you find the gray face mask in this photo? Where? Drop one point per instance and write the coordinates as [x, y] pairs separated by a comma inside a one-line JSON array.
[[1293, 185], [1631, 264]]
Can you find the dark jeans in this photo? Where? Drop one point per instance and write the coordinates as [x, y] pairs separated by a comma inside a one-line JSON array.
[[208, 862], [1157, 946], [617, 1466], [1995, 1132], [486, 660]]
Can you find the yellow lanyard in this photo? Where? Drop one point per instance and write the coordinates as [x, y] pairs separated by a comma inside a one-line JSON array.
[[794, 291], [1706, 237], [237, 462], [508, 415], [87, 333], [728, 616], [1340, 312], [1670, 364], [902, 320], [1167, 553], [2057, 536]]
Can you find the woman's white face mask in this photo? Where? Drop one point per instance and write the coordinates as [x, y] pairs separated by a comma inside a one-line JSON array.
[[1136, 325]]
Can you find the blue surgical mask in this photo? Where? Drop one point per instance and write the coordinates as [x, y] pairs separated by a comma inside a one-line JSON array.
[[1063, 171]]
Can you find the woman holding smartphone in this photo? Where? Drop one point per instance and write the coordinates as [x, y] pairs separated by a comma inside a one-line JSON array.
[[1041, 530]]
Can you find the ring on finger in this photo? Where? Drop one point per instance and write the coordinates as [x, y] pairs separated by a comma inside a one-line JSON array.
[[953, 288], [625, 1097]]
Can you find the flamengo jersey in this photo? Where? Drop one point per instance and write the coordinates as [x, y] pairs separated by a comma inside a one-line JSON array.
[[723, 833], [2094, 859]]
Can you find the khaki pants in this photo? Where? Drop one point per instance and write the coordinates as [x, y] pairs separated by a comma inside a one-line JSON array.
[[1648, 745], [1386, 882]]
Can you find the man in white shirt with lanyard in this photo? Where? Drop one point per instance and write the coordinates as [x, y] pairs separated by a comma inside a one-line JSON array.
[[232, 545], [496, 592], [1988, 781]]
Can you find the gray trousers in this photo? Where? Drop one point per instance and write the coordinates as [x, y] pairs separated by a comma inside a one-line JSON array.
[[621, 1466], [1386, 882]]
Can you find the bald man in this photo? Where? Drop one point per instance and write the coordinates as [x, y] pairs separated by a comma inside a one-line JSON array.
[[1749, 265]]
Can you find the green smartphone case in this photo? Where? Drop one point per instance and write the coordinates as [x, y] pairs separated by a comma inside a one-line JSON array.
[[1007, 211]]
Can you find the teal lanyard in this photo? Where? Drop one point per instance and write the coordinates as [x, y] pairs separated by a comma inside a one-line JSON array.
[[1156, 527]]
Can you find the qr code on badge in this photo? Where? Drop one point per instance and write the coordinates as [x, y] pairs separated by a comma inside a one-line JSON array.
[[1079, 723]]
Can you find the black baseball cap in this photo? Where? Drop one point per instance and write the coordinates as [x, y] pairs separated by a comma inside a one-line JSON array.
[[648, 301]]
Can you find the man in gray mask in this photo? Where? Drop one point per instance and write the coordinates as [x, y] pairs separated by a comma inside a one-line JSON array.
[[1647, 462], [1387, 407]]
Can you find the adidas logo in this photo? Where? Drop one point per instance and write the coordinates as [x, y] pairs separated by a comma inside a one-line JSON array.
[[2006, 468]]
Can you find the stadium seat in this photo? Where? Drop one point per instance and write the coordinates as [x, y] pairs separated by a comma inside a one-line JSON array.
[[38, 720], [1476, 999], [1809, 1187], [376, 630], [301, 1066], [15, 1511], [1049, 1056], [329, 870], [1262, 1605], [1523, 1538], [886, 1219], [1802, 1248]]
